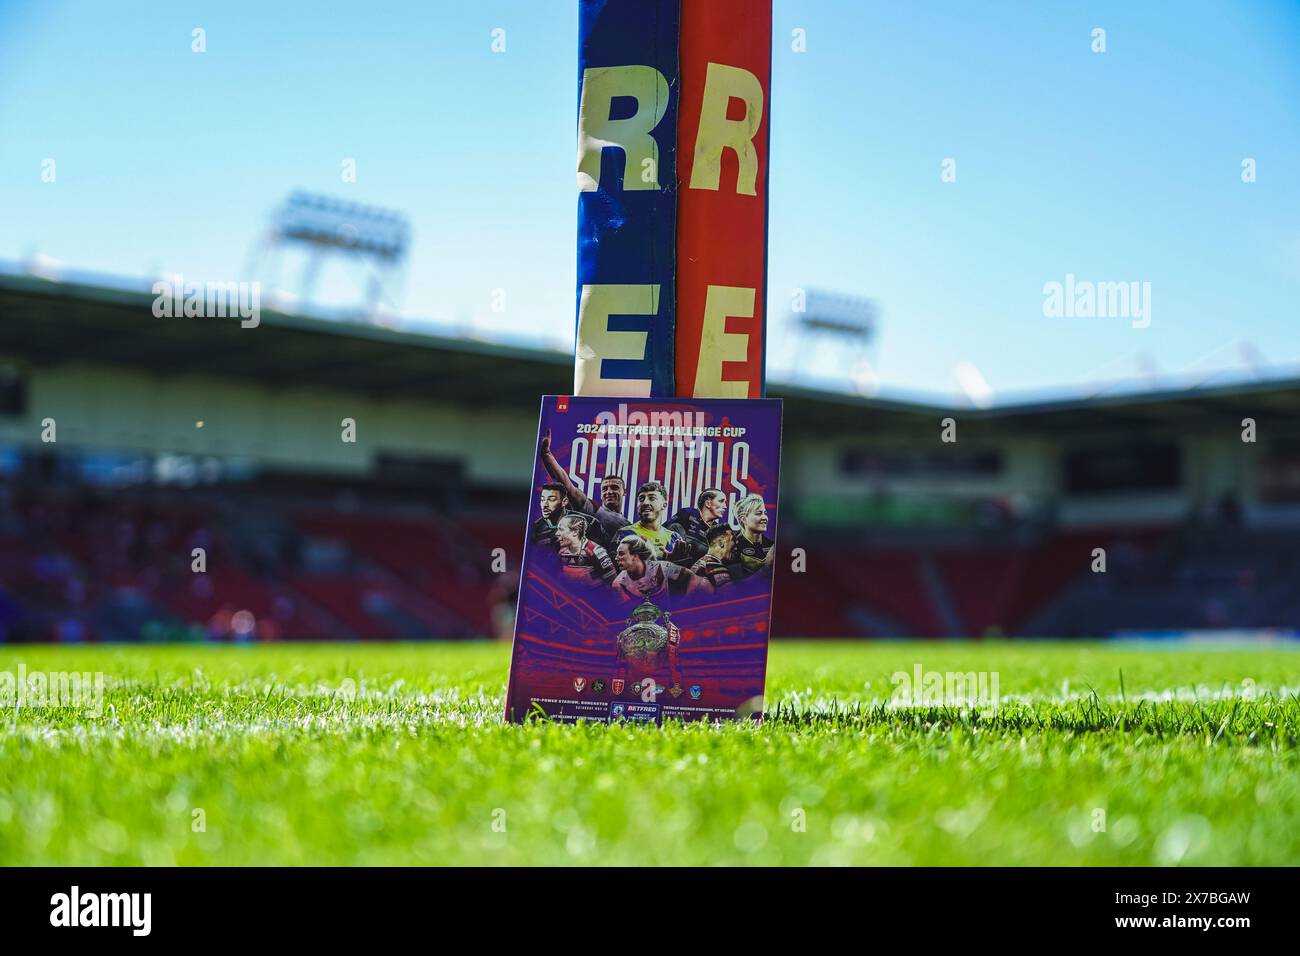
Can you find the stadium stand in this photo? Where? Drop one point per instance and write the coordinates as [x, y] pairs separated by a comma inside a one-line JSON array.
[[176, 435]]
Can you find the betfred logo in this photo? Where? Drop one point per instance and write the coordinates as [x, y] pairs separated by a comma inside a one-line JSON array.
[[562, 403]]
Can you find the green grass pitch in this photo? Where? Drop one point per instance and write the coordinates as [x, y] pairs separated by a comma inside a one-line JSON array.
[[396, 754]]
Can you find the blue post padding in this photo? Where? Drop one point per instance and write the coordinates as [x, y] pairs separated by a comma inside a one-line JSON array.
[[628, 236]]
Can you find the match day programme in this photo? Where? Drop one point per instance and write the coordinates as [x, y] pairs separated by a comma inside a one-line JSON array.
[[839, 455]]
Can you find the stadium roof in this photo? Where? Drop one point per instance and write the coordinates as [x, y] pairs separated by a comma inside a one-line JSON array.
[[51, 322]]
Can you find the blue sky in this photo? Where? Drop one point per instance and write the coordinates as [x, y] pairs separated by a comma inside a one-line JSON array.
[[1115, 166]]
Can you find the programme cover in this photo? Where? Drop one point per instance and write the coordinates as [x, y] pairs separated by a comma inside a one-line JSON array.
[[646, 587]]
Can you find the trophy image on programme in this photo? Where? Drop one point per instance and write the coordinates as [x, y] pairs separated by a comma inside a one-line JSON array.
[[643, 642]]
